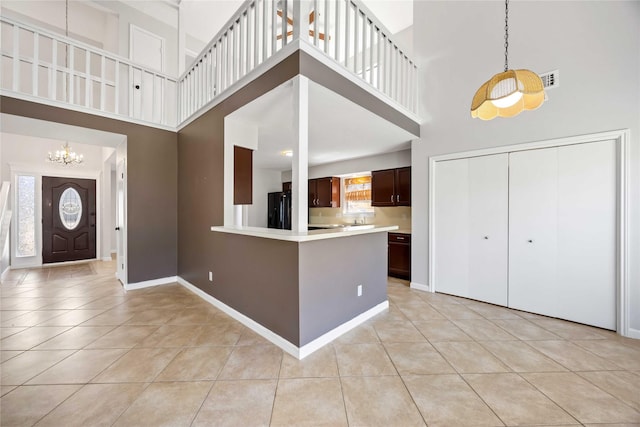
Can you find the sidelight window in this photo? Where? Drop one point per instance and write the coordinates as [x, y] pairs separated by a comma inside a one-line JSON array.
[[26, 211], [70, 208]]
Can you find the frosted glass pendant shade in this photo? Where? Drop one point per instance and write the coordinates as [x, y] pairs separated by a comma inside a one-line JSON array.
[[507, 94]]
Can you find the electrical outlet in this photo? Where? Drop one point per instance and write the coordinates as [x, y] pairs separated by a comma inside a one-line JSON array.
[[359, 290], [211, 276]]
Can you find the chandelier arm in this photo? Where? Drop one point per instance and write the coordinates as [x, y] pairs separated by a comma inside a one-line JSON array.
[[506, 35]]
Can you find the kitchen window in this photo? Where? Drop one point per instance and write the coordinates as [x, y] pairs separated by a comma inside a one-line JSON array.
[[357, 195]]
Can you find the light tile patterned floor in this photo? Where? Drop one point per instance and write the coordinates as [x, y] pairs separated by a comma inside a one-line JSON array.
[[77, 350]]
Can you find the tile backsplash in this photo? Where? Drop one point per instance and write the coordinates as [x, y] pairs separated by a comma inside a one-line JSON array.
[[398, 215]]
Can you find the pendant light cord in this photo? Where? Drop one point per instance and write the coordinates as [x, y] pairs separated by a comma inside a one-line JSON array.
[[506, 35]]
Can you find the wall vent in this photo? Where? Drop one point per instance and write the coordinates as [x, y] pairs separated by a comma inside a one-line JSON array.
[[550, 79]]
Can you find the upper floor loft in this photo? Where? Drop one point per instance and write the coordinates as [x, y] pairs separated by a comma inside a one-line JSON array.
[[44, 66]]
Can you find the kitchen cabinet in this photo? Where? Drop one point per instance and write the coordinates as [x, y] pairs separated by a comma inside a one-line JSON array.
[[399, 256], [287, 186], [391, 187], [324, 192], [533, 230], [242, 176]]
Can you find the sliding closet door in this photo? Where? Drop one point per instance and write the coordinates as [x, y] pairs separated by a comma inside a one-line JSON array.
[[471, 228], [562, 232]]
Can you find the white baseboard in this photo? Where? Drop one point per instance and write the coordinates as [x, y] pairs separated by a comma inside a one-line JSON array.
[[325, 339], [292, 349], [634, 333], [420, 287], [150, 283]]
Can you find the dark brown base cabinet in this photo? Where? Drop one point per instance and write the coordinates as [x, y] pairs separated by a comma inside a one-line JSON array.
[[400, 255]]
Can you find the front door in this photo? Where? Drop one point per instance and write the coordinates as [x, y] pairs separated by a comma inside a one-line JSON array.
[[68, 219]]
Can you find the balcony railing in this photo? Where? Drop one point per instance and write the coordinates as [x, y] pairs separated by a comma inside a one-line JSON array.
[[49, 66], [343, 29], [41, 64]]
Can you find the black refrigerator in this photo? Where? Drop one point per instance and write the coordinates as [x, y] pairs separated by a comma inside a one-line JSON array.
[[279, 210]]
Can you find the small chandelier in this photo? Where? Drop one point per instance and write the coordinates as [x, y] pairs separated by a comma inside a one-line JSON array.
[[66, 156], [507, 94]]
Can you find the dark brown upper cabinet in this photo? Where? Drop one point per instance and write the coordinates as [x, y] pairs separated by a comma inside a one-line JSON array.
[[324, 192], [287, 186], [242, 176], [391, 187]]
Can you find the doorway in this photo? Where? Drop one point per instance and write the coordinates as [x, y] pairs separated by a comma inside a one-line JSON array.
[[68, 219]]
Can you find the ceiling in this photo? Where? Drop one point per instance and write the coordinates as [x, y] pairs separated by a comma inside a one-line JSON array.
[[339, 129]]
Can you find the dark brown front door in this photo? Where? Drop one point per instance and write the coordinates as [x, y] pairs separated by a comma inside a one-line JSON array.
[[68, 219]]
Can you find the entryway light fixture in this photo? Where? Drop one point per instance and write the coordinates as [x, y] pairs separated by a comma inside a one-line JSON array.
[[66, 156], [509, 93]]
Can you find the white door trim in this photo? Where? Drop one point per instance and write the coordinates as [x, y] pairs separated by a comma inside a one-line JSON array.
[[623, 143]]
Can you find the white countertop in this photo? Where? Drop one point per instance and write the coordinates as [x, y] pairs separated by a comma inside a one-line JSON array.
[[272, 233]]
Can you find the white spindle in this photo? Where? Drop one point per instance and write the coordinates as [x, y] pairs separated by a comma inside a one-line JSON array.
[[285, 23], [347, 34], [88, 87], [71, 67], [371, 50], [364, 46], [338, 32], [103, 89], [327, 18], [240, 47], [256, 34], [274, 30], [54, 70], [356, 39], [117, 97], [378, 58], [16, 58], [34, 64], [305, 34]]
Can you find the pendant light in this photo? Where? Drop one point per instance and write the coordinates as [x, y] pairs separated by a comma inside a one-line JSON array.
[[508, 93]]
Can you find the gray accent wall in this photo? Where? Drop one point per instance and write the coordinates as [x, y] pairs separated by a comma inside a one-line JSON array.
[[330, 271], [152, 185]]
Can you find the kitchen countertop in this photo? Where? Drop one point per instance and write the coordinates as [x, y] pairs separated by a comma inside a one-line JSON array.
[[330, 233]]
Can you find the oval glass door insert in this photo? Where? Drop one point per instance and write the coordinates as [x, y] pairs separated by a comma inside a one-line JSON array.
[[70, 208]]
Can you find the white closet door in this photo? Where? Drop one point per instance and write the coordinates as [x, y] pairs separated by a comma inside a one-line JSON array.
[[488, 228], [587, 233], [562, 232], [533, 230], [471, 228], [451, 269]]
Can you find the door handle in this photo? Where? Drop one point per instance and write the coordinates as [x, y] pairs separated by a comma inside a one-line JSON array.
[[117, 228], [137, 87], [397, 198], [486, 237], [392, 198], [530, 241]]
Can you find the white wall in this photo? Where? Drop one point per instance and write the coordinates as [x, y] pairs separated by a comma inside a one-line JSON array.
[[396, 159], [264, 181], [594, 44], [95, 26]]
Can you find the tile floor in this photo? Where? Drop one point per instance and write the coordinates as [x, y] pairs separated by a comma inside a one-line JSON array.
[[79, 351]]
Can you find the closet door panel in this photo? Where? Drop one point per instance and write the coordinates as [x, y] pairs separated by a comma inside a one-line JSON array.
[[488, 228], [451, 269], [533, 231], [586, 233]]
